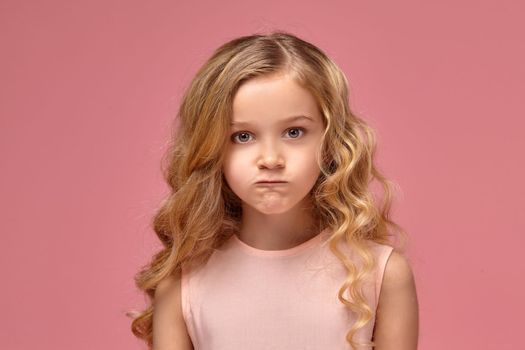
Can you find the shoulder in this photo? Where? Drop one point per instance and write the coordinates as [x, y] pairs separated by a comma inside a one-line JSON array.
[[394, 270], [398, 272], [168, 288], [397, 310], [169, 327]]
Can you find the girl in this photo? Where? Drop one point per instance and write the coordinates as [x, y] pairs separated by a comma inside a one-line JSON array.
[[272, 237]]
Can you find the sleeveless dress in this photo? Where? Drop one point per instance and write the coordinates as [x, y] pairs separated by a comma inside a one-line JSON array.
[[247, 298]]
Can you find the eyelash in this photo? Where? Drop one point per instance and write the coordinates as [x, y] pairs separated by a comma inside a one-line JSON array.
[[246, 132]]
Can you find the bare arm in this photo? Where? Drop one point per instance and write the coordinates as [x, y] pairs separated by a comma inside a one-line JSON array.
[[169, 328], [397, 320]]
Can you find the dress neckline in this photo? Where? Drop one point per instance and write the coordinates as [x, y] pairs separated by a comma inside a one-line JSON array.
[[280, 252]]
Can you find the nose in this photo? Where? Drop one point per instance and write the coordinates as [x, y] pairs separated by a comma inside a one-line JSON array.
[[270, 157]]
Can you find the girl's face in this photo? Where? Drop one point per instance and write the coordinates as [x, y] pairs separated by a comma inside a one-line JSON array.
[[275, 134]]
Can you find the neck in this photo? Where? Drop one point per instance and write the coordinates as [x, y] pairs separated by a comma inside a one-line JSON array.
[[279, 231]]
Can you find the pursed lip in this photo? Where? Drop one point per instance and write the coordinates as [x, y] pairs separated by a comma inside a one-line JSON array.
[[270, 182]]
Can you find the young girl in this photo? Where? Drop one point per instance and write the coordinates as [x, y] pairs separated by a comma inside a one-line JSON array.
[[272, 237]]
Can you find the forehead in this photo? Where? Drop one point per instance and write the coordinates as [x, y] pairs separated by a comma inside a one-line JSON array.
[[296, 118], [276, 98]]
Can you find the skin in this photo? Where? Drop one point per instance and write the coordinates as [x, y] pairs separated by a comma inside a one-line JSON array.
[[397, 319], [267, 146]]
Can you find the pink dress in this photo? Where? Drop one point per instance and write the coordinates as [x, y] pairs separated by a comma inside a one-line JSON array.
[[246, 298]]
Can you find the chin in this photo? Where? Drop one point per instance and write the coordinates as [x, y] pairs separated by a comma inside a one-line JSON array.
[[273, 208], [272, 211]]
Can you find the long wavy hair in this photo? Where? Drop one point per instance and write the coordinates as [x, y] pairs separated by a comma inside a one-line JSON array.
[[201, 212]]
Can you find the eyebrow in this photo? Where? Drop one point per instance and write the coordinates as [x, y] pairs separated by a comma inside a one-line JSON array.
[[291, 119]]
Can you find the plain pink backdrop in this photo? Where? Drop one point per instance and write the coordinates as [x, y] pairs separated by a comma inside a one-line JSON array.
[[89, 89]]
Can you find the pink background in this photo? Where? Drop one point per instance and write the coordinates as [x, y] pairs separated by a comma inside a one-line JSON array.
[[88, 91]]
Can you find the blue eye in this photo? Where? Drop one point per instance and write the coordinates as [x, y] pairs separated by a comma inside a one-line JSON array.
[[301, 129], [239, 133], [246, 138]]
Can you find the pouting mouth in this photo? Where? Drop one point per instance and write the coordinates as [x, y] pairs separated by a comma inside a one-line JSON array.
[[270, 182]]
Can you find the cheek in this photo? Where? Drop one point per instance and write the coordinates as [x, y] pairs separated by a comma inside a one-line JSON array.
[[234, 169], [313, 170], [227, 170], [305, 166]]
